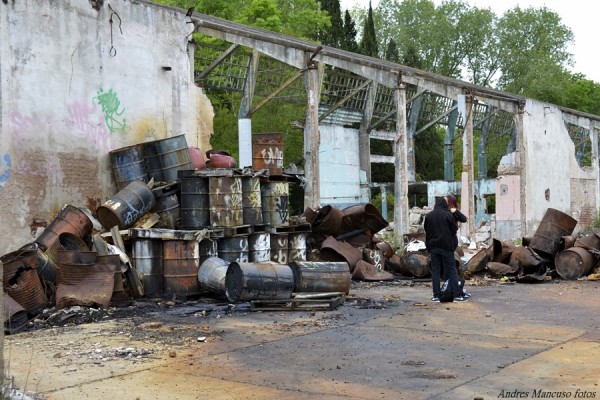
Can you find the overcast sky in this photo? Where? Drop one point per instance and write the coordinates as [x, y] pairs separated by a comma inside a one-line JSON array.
[[579, 15]]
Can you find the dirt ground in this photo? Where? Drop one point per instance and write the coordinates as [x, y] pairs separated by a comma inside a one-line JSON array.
[[387, 340]]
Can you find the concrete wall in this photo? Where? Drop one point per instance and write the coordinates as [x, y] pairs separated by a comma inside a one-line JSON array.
[[553, 177], [73, 86], [339, 167]]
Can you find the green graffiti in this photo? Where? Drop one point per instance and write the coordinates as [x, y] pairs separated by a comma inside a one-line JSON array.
[[110, 108]]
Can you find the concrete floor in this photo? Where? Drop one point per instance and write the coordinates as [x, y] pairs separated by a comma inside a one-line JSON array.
[[386, 341]]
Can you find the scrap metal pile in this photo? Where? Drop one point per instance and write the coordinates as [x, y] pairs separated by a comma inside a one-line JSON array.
[[553, 252], [182, 228]]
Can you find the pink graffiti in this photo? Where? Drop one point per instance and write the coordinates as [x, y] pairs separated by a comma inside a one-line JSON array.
[[89, 121], [29, 126]]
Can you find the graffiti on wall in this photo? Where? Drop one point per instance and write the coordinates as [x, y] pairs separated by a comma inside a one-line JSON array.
[[4, 169], [86, 120], [110, 108]]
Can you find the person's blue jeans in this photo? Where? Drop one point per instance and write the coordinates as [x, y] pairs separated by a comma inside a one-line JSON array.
[[443, 260]]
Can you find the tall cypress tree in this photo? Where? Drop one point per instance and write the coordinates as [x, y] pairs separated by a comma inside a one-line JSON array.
[[333, 36], [391, 53], [368, 44], [349, 40]]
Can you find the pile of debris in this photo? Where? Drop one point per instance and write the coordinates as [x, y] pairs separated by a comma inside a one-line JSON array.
[[182, 229], [553, 252]]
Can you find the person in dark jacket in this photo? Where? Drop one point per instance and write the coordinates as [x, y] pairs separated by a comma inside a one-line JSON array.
[[441, 227]]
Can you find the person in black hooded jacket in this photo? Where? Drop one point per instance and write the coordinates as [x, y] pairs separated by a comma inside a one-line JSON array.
[[440, 240]]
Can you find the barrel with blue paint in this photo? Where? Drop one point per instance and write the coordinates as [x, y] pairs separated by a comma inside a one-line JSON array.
[[128, 165], [127, 206]]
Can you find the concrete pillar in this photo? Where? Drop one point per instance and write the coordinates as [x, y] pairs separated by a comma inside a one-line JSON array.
[[449, 145], [312, 137], [467, 202], [364, 139], [244, 122], [401, 167]]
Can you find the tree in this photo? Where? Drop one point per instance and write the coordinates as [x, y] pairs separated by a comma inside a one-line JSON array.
[[368, 43], [334, 35], [532, 42], [349, 40], [391, 53]]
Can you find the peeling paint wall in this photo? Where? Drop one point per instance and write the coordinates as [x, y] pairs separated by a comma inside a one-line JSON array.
[[74, 86], [553, 176], [339, 167]]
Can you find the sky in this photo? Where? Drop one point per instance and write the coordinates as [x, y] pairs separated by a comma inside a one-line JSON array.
[[581, 16]]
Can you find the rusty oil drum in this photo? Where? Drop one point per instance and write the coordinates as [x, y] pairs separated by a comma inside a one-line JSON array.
[[70, 219], [148, 260], [118, 288], [234, 249], [258, 281], [211, 275], [127, 206], [280, 248], [128, 165], [180, 266], [225, 200], [297, 246], [164, 157], [167, 208], [22, 283], [549, 233], [267, 152], [574, 262], [259, 247], [321, 276], [251, 201], [275, 203], [33, 255], [194, 206]]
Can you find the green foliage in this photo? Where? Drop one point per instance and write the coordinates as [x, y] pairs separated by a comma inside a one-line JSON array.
[[533, 42], [368, 43], [334, 36], [377, 201], [349, 39], [391, 53], [429, 154]]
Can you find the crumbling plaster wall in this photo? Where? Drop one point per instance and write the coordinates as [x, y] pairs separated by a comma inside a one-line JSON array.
[[74, 86], [554, 179]]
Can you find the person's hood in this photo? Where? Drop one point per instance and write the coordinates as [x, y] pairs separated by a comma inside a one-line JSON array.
[[440, 202]]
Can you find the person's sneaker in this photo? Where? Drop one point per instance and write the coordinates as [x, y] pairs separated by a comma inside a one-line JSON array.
[[435, 299], [466, 295], [460, 299]]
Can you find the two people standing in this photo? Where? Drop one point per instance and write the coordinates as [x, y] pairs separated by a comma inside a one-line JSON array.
[[441, 226]]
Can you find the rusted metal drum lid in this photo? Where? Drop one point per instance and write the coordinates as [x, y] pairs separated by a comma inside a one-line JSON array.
[[501, 269], [501, 251], [368, 272], [574, 262], [334, 250], [258, 281], [365, 216], [328, 221], [591, 241], [552, 228], [321, 276], [211, 275], [478, 261]]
